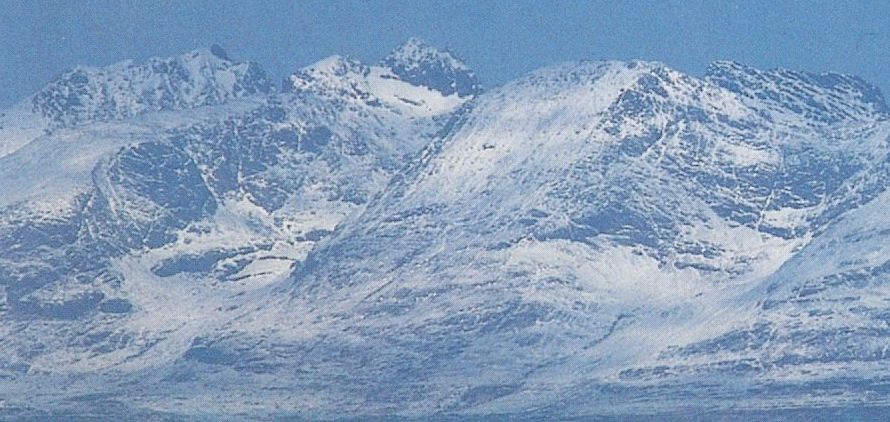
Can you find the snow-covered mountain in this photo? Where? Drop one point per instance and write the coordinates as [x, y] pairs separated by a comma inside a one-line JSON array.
[[126, 89], [580, 229], [419, 63], [591, 238], [124, 229]]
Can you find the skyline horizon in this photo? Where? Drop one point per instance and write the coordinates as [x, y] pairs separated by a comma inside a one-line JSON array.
[[280, 80], [40, 40]]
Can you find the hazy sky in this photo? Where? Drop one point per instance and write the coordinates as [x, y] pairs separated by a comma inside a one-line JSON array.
[[499, 39]]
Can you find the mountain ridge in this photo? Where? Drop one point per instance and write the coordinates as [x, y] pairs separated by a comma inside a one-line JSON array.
[[369, 242]]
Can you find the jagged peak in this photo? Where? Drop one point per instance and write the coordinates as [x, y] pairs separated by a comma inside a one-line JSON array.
[[196, 78], [419, 63], [415, 52], [334, 72], [835, 96], [827, 80], [414, 62], [215, 56], [335, 65]]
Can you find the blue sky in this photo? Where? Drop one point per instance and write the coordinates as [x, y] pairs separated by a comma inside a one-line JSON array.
[[499, 39]]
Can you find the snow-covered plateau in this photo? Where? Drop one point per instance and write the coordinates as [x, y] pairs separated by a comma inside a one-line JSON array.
[[181, 238]]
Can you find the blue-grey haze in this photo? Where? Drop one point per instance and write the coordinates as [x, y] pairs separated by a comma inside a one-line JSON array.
[[500, 40]]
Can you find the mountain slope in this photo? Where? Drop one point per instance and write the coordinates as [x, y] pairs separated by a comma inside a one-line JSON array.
[[126, 89], [578, 225], [143, 224], [592, 238]]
